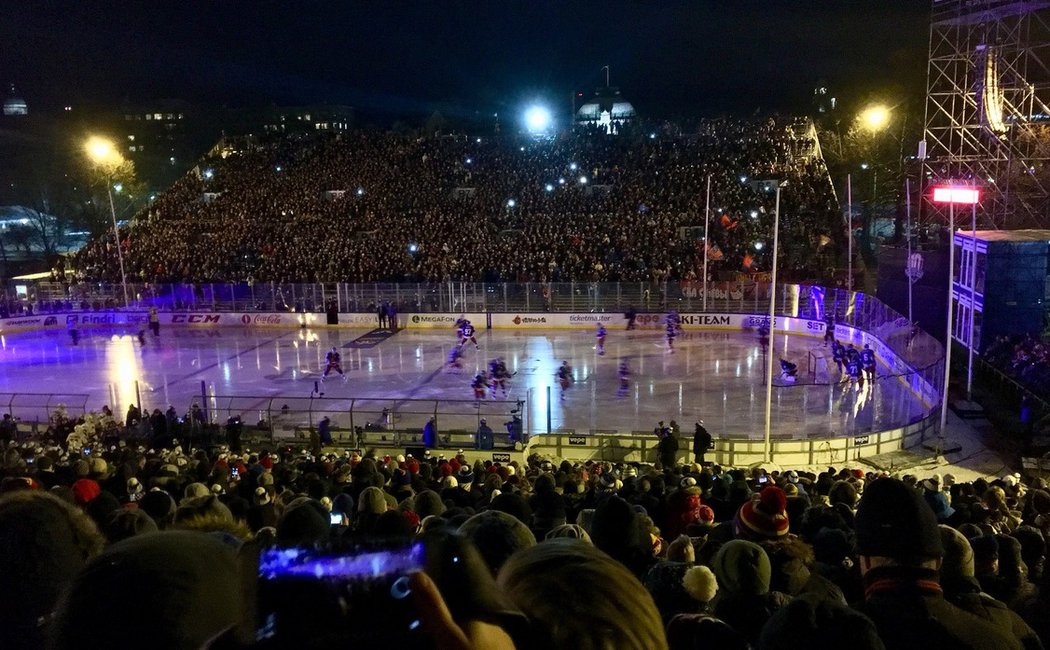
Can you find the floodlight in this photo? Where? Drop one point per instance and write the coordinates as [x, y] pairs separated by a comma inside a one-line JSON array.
[[875, 118], [511, 203], [101, 150], [537, 119]]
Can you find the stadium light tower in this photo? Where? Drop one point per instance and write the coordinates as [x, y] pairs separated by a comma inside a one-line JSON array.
[[954, 195], [537, 119], [106, 158]]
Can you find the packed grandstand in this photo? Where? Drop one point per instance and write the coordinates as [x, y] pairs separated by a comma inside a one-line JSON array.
[[134, 537], [380, 206]]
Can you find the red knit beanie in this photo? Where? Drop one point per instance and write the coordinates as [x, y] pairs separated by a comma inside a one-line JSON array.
[[85, 490], [764, 516]]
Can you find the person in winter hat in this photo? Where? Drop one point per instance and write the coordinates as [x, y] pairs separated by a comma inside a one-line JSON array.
[[744, 599], [764, 516], [46, 542], [962, 590], [305, 522], [683, 509], [159, 505], [135, 491], [172, 589], [85, 490], [900, 552], [262, 513], [498, 536]]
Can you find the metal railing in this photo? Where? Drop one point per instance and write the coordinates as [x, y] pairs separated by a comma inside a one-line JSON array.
[[447, 297], [35, 410], [738, 296], [364, 422]]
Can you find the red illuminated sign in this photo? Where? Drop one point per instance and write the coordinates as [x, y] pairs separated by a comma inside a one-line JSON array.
[[967, 195]]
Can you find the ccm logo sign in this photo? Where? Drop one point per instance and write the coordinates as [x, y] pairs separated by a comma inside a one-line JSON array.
[[195, 318], [577, 440], [500, 457]]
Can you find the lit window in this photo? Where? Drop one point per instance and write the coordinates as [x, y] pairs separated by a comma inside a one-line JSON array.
[[132, 148], [149, 116], [158, 116], [180, 116], [131, 137], [171, 116]]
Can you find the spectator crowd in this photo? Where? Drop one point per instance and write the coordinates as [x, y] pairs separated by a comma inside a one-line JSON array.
[[1027, 358], [117, 545], [373, 206]]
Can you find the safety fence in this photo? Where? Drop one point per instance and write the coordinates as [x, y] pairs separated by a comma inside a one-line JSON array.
[[363, 422], [910, 357]]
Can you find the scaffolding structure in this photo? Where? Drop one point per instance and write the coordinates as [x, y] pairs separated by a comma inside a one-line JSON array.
[[987, 121]]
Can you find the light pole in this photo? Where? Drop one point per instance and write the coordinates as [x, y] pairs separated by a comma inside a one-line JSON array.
[[973, 301], [772, 330], [873, 119], [707, 242], [106, 158], [951, 195]]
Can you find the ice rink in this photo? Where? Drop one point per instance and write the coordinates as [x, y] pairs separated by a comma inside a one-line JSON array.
[[714, 376]]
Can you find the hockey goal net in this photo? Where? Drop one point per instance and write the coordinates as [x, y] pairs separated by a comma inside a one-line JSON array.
[[819, 365]]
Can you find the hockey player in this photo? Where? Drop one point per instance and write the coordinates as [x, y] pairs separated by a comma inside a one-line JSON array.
[[788, 371], [838, 354], [853, 369], [455, 359], [829, 330], [564, 376], [498, 376], [670, 333], [480, 384], [631, 315], [625, 379], [867, 362], [333, 361], [673, 318], [852, 353], [763, 336], [600, 334], [466, 333]]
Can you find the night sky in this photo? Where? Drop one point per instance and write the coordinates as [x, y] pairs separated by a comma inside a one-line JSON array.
[[398, 57]]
